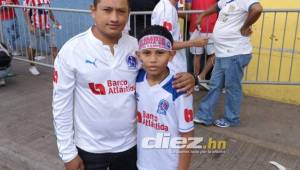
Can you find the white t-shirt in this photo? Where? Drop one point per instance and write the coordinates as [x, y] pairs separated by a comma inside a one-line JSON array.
[[161, 110], [94, 104], [227, 37], [165, 14]]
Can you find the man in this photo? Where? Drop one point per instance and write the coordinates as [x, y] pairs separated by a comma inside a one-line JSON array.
[[233, 52], [40, 28], [94, 102]]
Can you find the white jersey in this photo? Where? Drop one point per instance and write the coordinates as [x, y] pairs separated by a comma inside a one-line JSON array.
[[94, 104], [228, 39], [165, 14], [161, 110]]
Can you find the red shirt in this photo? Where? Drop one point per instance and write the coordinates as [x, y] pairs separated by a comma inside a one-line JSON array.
[[8, 13], [208, 22], [40, 17]]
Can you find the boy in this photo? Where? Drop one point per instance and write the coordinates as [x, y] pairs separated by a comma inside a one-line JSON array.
[[161, 110], [165, 14]]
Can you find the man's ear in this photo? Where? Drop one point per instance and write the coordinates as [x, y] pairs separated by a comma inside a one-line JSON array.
[[93, 9], [172, 54]]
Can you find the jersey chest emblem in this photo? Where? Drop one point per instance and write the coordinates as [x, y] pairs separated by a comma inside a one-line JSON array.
[[131, 62], [163, 106]]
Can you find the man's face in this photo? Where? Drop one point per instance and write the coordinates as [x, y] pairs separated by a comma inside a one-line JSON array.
[[111, 17]]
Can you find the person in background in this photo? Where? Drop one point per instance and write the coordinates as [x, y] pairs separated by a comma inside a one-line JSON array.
[[39, 26], [204, 30], [233, 52], [10, 29], [165, 14]]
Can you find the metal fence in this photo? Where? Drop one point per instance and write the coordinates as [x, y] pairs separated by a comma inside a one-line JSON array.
[[276, 40]]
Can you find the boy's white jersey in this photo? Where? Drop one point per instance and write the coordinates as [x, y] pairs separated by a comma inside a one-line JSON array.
[[94, 105], [165, 14], [161, 111], [227, 37]]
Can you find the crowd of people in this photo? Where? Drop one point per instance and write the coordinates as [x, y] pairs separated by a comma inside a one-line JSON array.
[[114, 95]]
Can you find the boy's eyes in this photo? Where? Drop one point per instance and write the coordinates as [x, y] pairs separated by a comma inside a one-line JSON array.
[[111, 9]]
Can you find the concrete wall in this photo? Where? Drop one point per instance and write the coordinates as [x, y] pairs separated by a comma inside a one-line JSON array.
[[269, 61]]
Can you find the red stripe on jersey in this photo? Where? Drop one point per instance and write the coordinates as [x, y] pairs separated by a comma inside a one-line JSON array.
[[34, 18], [45, 20], [40, 21]]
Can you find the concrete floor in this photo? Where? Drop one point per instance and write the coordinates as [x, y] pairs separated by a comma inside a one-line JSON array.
[[269, 130]]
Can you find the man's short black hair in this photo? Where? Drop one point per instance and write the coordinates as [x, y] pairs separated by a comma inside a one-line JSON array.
[[156, 30], [97, 1]]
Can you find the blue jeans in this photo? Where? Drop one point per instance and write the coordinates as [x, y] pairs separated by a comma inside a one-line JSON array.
[[10, 33], [228, 72]]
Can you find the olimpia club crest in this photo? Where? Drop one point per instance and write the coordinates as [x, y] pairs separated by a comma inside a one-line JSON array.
[[131, 62], [163, 106]]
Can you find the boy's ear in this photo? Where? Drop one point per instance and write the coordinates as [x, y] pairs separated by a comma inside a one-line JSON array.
[[172, 54]]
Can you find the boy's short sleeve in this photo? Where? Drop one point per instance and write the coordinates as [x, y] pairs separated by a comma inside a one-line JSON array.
[[184, 112]]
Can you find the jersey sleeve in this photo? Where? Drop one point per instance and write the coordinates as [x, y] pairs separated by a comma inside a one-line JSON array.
[[246, 4], [163, 17], [184, 112], [221, 4], [63, 88]]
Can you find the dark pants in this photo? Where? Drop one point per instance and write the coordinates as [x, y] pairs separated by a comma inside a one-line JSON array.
[[113, 161]]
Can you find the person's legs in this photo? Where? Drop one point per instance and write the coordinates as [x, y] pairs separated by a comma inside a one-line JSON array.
[[31, 51], [208, 66], [14, 34], [51, 40], [93, 161], [207, 105], [197, 64], [124, 160], [233, 97]]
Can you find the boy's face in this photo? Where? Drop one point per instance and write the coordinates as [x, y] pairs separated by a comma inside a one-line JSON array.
[[110, 17], [154, 60]]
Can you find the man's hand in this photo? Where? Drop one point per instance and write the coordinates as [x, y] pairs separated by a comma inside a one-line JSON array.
[[184, 82], [199, 19], [199, 42], [246, 31], [75, 164]]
